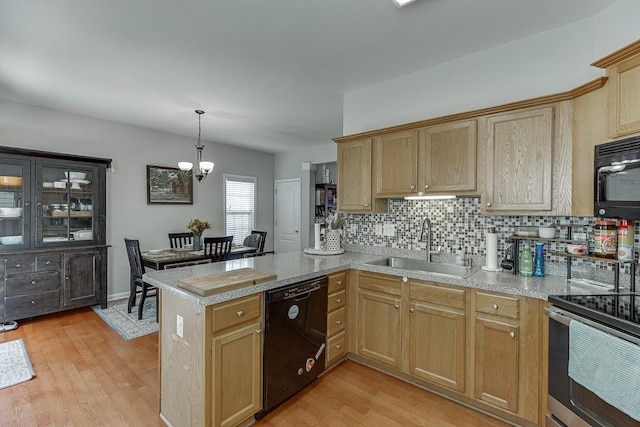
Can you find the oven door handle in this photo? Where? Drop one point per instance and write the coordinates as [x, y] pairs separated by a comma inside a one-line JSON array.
[[565, 317]]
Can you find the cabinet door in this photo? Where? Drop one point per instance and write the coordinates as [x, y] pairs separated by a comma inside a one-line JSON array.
[[395, 168], [66, 203], [81, 278], [447, 157], [379, 327], [354, 175], [437, 345], [15, 204], [237, 374], [497, 363], [624, 102], [519, 154]]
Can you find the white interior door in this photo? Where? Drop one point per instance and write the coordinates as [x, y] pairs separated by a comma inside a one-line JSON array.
[[287, 215]]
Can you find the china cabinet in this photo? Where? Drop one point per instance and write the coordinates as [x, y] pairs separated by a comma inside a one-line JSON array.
[[52, 232]]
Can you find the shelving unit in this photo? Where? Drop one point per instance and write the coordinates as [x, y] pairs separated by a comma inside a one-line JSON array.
[[328, 201], [616, 278]]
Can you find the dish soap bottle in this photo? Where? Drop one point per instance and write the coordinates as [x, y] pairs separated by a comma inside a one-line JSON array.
[[538, 263], [526, 261]]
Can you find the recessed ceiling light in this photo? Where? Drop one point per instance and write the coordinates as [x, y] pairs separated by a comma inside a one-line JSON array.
[[400, 3]]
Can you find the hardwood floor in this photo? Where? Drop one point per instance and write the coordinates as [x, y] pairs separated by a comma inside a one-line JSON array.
[[86, 375]]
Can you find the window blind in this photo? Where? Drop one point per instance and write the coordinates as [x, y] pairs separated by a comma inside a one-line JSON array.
[[239, 200]]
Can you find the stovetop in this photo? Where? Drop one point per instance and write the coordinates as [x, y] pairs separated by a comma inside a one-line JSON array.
[[620, 311]]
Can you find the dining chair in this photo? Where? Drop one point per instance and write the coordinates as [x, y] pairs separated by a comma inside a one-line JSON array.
[[137, 284], [217, 248], [263, 234], [179, 240], [253, 240]]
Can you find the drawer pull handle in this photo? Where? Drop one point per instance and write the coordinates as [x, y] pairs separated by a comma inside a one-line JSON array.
[[33, 282], [339, 300], [18, 265], [66, 277], [495, 306], [240, 313], [33, 301], [338, 346], [338, 322], [512, 334], [48, 263], [489, 204], [259, 331], [366, 205], [339, 282], [411, 310]]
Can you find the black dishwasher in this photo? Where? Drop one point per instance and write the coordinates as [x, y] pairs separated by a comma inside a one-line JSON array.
[[295, 332]]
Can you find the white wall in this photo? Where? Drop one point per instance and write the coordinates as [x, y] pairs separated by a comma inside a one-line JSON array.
[[132, 148], [549, 62]]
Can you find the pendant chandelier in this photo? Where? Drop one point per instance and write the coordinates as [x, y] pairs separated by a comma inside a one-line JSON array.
[[202, 168]]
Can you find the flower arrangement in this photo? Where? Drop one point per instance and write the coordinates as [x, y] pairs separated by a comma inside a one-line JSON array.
[[337, 222], [197, 226]]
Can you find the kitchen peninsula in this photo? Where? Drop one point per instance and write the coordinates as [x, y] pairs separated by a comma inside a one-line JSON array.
[[224, 331]]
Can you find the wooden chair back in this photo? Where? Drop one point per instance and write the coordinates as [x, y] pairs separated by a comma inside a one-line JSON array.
[[217, 248], [263, 234], [180, 240], [135, 258]]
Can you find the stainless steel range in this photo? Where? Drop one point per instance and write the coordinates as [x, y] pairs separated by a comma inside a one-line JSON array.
[[594, 360]]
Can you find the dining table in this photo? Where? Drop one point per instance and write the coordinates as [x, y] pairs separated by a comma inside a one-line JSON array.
[[159, 259]]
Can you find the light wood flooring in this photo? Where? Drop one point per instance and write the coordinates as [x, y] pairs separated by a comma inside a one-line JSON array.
[[86, 375]]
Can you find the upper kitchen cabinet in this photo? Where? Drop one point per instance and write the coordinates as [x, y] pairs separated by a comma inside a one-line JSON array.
[[395, 167], [623, 70], [528, 155], [354, 176], [447, 156]]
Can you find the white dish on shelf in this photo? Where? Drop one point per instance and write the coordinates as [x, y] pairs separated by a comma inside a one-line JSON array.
[[82, 235], [75, 175], [524, 233], [80, 181], [47, 184], [60, 184], [547, 232], [10, 212], [75, 186], [54, 239], [577, 248], [11, 240]]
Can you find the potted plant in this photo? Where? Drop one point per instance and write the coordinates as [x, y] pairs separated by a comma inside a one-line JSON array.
[[332, 242], [197, 227]]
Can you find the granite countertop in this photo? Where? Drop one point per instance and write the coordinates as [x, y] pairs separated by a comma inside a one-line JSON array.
[[298, 266]]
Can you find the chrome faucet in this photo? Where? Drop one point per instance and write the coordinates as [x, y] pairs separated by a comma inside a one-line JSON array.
[[426, 221]]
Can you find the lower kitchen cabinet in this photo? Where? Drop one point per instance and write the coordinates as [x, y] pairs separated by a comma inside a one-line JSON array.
[[437, 340], [336, 318], [379, 328], [81, 273]]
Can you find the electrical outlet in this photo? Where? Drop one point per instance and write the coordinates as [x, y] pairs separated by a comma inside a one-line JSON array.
[[179, 326], [379, 229], [389, 230], [353, 228]]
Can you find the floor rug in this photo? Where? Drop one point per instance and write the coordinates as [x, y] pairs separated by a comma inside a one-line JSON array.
[[127, 324], [16, 366]]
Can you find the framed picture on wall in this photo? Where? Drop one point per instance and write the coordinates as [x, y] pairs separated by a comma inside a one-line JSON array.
[[169, 186]]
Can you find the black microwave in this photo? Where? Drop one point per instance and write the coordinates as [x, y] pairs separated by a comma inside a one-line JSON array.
[[617, 179]]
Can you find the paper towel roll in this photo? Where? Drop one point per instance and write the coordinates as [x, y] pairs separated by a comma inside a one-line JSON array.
[[492, 251], [316, 230]]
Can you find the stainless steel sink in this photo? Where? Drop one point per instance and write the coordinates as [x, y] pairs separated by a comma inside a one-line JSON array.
[[450, 270]]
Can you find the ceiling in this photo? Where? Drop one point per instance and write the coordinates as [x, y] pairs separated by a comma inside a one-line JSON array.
[[270, 74]]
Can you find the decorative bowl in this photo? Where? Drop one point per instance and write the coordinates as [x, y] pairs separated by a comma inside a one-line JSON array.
[[547, 232], [577, 248], [82, 235], [11, 240], [11, 181], [10, 212], [75, 175]]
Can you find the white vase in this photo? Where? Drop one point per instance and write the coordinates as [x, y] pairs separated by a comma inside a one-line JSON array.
[[332, 242]]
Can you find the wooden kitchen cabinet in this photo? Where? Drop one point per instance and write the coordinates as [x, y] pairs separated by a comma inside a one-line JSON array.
[[379, 327], [528, 157], [437, 341], [623, 70], [447, 156], [355, 178], [507, 353], [395, 166], [336, 318]]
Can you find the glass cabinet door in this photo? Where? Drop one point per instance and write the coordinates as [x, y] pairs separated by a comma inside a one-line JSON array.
[[65, 206], [14, 204]]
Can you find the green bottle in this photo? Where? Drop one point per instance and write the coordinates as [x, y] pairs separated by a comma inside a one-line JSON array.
[[526, 261]]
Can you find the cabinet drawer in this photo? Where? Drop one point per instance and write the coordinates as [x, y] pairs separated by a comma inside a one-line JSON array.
[[336, 301], [47, 263], [31, 284], [337, 282], [454, 298], [336, 321], [19, 265], [498, 305], [380, 283], [236, 312], [336, 347], [29, 305]]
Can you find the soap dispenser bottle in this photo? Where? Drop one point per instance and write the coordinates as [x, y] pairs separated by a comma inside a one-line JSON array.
[[538, 263], [526, 261]]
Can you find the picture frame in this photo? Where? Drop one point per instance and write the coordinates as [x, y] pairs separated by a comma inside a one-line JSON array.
[[169, 186]]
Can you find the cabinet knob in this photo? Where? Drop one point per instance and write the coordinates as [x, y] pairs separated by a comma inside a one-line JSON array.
[[33, 282], [405, 280], [33, 301], [512, 334], [27, 203], [411, 310], [426, 186], [339, 282], [39, 204], [495, 306], [366, 205], [66, 278], [338, 322], [18, 265], [413, 187], [338, 300], [396, 306], [240, 313], [489, 204], [259, 331], [48, 263], [338, 346]]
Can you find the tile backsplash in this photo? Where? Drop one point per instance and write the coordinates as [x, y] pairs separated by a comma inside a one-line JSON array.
[[459, 223]]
